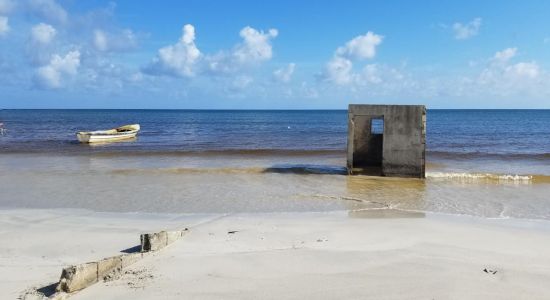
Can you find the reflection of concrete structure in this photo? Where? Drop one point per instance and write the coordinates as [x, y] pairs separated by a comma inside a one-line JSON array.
[[387, 140]]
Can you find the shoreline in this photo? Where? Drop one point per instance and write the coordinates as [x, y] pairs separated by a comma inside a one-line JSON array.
[[280, 247]]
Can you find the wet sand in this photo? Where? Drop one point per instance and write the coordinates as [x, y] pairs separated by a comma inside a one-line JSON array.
[[380, 254]]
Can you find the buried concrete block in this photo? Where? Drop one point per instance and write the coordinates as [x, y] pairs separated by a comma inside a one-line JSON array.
[[172, 236], [77, 277], [158, 240], [128, 259], [108, 265], [153, 241]]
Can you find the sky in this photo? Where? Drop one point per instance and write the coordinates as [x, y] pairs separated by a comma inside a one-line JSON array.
[[273, 54]]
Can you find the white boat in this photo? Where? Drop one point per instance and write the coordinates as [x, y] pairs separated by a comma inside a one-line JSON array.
[[111, 135]]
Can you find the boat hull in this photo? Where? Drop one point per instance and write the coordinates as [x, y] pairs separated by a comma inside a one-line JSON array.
[[112, 135], [87, 138]]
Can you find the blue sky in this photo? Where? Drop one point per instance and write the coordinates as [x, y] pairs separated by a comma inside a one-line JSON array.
[[273, 54]]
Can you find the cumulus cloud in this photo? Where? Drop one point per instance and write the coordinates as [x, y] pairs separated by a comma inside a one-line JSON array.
[[256, 46], [466, 31], [114, 41], [184, 59], [49, 10], [4, 26], [530, 70], [505, 55], [505, 78], [50, 75], [43, 33], [339, 69], [179, 59], [284, 74], [505, 70], [361, 47]]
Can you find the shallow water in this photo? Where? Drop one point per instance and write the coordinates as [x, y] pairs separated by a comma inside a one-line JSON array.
[[483, 163], [265, 184]]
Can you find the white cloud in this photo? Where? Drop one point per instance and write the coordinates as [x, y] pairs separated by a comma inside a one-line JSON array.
[[179, 59], [118, 41], [505, 55], [6, 6], [4, 26], [505, 79], [184, 59], [466, 31], [503, 72], [530, 70], [48, 9], [361, 47], [254, 49], [284, 74], [340, 68], [256, 46], [43, 33], [371, 74], [49, 76]]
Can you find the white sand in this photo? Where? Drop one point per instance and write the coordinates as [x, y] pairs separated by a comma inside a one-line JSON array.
[[284, 255]]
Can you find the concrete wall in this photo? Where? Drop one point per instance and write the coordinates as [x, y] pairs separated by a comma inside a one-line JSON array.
[[403, 141]]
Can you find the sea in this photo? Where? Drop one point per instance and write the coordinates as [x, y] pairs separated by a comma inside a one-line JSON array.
[[487, 163]]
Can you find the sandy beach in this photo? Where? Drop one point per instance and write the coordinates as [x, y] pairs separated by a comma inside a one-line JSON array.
[[381, 254], [274, 150]]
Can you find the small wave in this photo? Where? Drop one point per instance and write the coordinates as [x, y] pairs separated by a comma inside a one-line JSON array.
[[484, 176], [279, 169], [485, 155]]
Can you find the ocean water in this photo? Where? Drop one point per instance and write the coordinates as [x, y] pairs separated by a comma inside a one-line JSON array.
[[491, 163]]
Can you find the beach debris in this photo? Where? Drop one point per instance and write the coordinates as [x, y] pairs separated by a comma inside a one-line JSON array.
[[77, 277], [488, 271], [322, 240], [232, 231]]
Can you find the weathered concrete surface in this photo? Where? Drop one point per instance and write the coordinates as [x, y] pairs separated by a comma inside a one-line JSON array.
[[158, 240], [153, 241], [130, 258], [108, 265], [399, 151], [77, 277]]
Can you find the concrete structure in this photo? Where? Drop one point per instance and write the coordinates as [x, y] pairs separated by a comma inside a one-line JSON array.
[[159, 240], [387, 140], [78, 277]]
